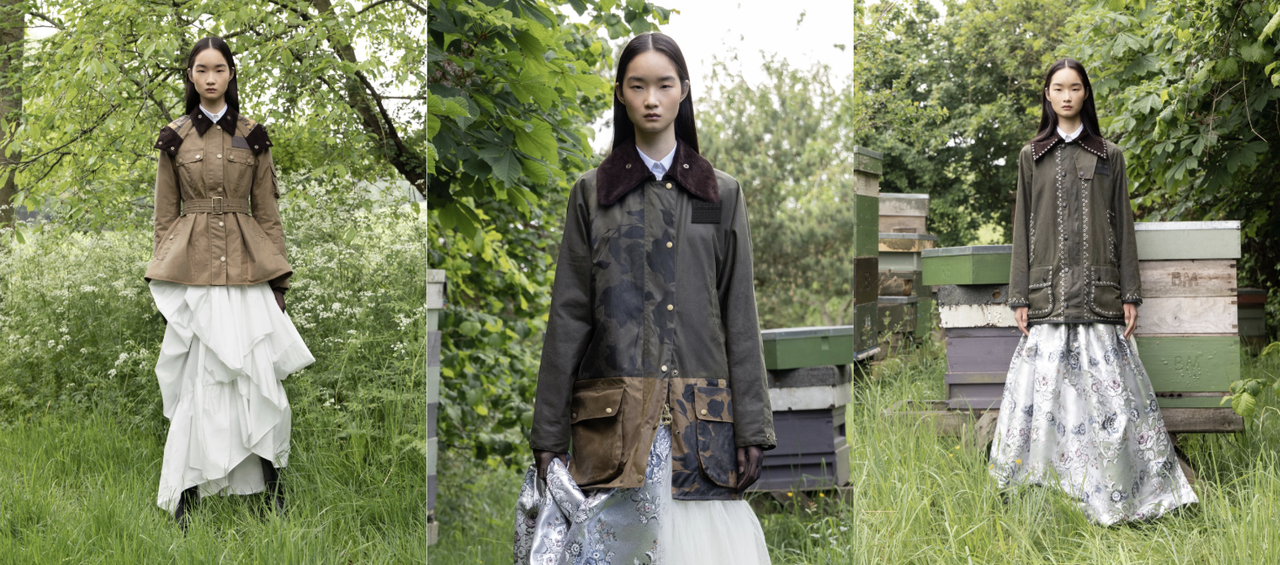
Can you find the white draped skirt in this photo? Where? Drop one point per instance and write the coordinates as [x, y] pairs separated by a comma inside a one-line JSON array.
[[225, 351]]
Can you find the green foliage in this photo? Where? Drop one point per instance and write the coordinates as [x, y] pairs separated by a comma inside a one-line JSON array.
[[1191, 90], [99, 88], [514, 86], [788, 141], [1262, 381], [981, 66], [81, 332]]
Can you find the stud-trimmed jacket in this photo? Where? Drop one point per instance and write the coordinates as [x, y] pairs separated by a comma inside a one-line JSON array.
[[1075, 259], [217, 221], [653, 308]]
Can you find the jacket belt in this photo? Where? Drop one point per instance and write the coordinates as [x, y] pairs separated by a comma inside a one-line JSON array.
[[216, 205]]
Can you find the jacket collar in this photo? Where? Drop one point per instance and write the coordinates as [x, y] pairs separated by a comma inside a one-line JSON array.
[[202, 123], [1091, 143], [624, 170]]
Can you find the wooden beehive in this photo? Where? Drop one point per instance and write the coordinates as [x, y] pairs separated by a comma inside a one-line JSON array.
[[904, 213], [808, 419], [435, 302], [974, 264], [1252, 304], [792, 348]]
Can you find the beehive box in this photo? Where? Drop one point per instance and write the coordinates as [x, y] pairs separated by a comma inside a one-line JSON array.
[[974, 264], [1165, 241], [792, 348], [924, 317], [906, 242], [866, 283], [866, 229], [810, 388], [435, 302], [812, 451], [904, 213], [864, 318], [899, 261], [897, 314], [902, 283]]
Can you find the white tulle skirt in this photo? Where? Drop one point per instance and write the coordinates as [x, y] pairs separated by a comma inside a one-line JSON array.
[[225, 351]]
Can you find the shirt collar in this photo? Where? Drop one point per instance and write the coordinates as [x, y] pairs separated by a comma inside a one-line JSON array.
[[1068, 137], [203, 120], [622, 171], [661, 166]]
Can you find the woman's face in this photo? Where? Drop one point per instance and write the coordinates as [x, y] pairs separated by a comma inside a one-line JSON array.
[[1066, 92], [652, 92], [211, 75]]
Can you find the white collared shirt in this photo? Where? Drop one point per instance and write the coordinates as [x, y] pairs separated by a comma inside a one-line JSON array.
[[1067, 137], [660, 166], [212, 116]]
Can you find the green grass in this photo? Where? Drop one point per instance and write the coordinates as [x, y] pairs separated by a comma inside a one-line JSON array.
[[83, 489], [921, 498]]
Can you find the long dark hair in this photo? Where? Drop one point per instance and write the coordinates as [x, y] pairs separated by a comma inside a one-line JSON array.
[[1049, 118], [233, 91], [623, 130]]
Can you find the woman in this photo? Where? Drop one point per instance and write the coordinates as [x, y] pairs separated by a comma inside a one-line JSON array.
[[218, 275], [1078, 410], [652, 366]]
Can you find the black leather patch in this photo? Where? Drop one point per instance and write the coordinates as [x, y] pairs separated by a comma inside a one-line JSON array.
[[1103, 168], [257, 139], [705, 212], [239, 142], [169, 141]]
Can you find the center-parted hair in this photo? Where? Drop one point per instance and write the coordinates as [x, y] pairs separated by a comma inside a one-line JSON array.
[[1049, 118], [623, 130], [233, 90]]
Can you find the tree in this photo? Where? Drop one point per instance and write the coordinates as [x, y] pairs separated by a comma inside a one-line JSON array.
[[12, 29], [1191, 91], [100, 87]]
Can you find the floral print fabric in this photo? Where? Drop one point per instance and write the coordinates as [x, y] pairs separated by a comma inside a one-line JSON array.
[[1079, 412], [557, 524]]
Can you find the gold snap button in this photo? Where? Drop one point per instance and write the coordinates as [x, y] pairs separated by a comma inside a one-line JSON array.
[[574, 415], [628, 165], [668, 185], [674, 373], [640, 478], [224, 258], [220, 224], [608, 410], [197, 156], [670, 307], [170, 149], [686, 165], [669, 244], [664, 368], [704, 412], [219, 155], [170, 237]]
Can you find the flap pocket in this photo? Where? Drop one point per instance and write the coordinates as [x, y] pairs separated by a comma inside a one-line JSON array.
[[1039, 277], [188, 159], [244, 157], [595, 403], [1106, 275], [713, 404]]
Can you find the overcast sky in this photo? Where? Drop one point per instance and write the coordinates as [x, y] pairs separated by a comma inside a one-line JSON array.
[[709, 28]]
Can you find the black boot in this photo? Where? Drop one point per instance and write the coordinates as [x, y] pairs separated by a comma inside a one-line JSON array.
[[275, 490], [187, 500]]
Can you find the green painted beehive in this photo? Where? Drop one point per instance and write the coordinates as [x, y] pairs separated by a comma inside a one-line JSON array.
[[866, 228], [924, 317], [974, 264], [1199, 368], [793, 348], [1187, 240]]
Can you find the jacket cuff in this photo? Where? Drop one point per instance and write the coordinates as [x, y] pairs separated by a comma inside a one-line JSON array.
[[280, 289], [1019, 303], [1131, 299], [281, 282], [765, 441]]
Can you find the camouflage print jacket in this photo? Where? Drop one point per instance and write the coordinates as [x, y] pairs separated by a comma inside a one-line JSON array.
[[652, 309]]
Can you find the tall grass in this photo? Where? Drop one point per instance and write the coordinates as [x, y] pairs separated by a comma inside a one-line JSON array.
[[923, 498], [81, 428]]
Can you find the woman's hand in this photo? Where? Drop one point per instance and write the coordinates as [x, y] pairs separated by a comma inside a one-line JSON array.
[[279, 298], [1130, 319], [543, 459], [1020, 314], [750, 460]]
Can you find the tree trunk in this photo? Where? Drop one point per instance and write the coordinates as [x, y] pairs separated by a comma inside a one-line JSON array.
[[364, 98], [12, 32]]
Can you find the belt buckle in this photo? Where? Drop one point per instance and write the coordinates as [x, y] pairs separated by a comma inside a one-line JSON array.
[[666, 414], [217, 205]]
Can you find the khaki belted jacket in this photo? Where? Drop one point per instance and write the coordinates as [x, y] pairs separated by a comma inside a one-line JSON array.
[[653, 316], [1075, 259], [216, 216]]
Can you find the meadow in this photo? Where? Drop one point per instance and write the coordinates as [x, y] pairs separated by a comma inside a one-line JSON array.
[[919, 498], [81, 428]]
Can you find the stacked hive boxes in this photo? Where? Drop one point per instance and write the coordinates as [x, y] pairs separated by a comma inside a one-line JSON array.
[[866, 177], [973, 284], [809, 385], [435, 301], [906, 304], [1187, 326]]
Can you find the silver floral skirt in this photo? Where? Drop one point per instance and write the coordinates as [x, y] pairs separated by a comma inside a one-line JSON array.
[[1079, 412]]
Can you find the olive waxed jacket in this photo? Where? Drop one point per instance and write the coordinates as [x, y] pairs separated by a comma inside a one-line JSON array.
[[652, 307], [217, 221], [1075, 259]]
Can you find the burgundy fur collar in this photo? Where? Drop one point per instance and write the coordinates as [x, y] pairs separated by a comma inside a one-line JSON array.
[[624, 170], [1088, 141]]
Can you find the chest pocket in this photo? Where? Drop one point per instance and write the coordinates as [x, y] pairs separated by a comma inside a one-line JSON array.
[[239, 171], [190, 168]]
